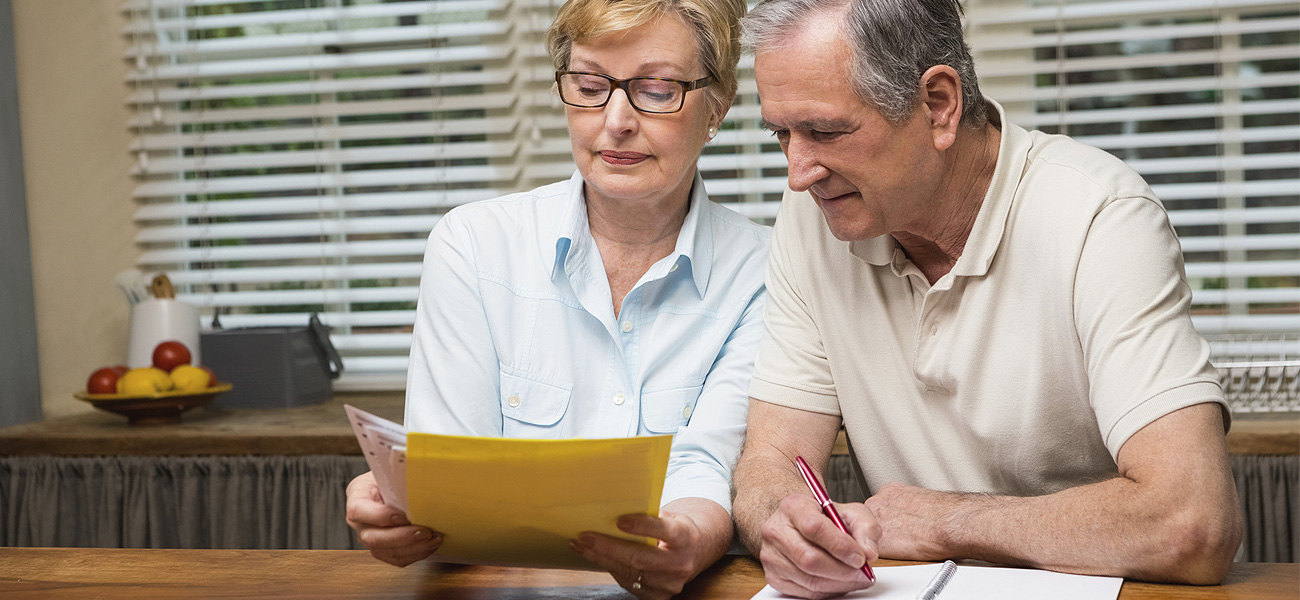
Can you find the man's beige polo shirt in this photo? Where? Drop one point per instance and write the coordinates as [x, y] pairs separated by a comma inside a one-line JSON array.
[[1062, 330]]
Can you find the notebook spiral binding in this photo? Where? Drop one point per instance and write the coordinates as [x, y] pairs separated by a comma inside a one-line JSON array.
[[1259, 373]]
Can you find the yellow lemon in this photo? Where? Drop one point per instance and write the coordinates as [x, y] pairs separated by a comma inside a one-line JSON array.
[[140, 382], [189, 378]]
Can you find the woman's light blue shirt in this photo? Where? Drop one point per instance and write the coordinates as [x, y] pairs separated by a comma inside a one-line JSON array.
[[515, 333]]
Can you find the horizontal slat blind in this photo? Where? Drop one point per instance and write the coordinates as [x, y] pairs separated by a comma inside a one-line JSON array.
[[1202, 97], [293, 155]]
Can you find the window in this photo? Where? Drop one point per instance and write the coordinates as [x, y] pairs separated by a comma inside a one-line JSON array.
[[292, 155]]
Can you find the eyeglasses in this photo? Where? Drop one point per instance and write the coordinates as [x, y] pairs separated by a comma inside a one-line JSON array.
[[656, 95]]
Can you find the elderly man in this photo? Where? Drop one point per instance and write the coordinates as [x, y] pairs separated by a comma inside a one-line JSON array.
[[998, 318]]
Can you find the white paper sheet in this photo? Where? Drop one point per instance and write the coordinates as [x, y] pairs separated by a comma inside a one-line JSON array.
[[978, 583], [383, 443]]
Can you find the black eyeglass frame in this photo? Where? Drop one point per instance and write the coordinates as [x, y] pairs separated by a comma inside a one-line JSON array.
[[622, 84]]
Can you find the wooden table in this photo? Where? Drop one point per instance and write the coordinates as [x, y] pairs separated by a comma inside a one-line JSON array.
[[56, 573]]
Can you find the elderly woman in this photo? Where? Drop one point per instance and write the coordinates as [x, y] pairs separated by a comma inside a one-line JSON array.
[[621, 302]]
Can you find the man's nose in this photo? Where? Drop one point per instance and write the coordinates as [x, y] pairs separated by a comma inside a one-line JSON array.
[[804, 167]]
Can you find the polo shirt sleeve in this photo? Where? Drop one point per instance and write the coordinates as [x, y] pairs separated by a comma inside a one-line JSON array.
[[1144, 358], [791, 368]]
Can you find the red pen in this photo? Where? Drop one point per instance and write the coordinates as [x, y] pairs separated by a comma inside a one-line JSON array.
[[824, 499]]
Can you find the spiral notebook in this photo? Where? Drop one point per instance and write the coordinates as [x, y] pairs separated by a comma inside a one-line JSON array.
[[971, 582]]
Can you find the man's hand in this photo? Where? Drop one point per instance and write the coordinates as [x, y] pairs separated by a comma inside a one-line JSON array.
[[909, 523], [384, 530], [689, 542], [804, 554]]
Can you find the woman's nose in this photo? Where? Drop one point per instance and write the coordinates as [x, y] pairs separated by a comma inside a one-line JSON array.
[[620, 118]]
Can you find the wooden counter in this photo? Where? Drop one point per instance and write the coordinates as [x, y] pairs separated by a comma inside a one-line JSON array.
[[306, 430], [323, 429]]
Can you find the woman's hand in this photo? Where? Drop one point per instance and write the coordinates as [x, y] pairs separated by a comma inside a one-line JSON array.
[[686, 547], [383, 529]]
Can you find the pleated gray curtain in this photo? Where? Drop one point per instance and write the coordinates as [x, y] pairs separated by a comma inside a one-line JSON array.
[[275, 502], [1269, 489], [249, 502]]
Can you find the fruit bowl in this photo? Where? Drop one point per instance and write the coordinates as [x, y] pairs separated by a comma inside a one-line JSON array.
[[162, 408]]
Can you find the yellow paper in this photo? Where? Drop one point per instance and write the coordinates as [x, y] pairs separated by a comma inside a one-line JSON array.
[[520, 502]]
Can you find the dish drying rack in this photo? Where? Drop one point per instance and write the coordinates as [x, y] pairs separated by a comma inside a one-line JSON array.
[[1259, 373]]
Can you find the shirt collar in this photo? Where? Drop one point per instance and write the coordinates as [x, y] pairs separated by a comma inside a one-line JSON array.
[[990, 222], [693, 251]]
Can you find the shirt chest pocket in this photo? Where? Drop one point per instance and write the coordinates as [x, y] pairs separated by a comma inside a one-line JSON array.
[[531, 409], [665, 411]]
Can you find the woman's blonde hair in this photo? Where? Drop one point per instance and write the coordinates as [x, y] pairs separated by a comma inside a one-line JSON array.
[[715, 24]]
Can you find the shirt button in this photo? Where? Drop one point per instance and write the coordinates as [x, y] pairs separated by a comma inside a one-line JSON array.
[[513, 400], [672, 268], [618, 399], [686, 412], [934, 331], [627, 326]]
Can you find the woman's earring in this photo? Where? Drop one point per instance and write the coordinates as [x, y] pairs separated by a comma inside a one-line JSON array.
[[713, 132]]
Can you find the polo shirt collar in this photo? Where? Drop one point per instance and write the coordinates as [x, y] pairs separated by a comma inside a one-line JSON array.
[[693, 251], [991, 222]]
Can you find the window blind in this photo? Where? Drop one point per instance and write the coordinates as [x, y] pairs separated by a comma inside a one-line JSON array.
[[292, 155], [1202, 97]]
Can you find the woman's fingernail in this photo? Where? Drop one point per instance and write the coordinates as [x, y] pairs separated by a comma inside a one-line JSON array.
[[421, 534]]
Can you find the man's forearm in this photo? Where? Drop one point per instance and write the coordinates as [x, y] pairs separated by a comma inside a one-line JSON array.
[[765, 473], [1171, 515], [1108, 528], [759, 484]]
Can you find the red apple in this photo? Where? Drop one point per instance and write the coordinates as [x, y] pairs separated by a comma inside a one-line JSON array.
[[103, 381], [169, 355]]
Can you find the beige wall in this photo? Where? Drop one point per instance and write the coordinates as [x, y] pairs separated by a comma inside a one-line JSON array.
[[71, 98]]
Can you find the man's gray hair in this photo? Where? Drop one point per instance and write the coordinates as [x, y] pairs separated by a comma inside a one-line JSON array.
[[892, 43]]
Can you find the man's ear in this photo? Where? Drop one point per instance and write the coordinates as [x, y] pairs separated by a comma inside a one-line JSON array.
[[941, 98]]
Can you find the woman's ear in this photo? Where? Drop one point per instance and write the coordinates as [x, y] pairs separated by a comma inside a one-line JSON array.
[[715, 120]]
